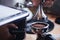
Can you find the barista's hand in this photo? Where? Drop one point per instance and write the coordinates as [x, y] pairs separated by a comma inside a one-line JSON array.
[[48, 3], [4, 32], [36, 2]]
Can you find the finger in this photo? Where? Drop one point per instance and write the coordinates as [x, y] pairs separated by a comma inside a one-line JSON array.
[[11, 25]]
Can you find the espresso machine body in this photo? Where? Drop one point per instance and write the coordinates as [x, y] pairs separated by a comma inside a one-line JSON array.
[[18, 17], [11, 3], [20, 33]]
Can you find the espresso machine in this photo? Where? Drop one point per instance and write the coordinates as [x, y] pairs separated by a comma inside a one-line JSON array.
[[19, 18]]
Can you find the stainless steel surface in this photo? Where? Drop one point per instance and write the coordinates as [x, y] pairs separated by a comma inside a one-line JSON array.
[[28, 3], [9, 14]]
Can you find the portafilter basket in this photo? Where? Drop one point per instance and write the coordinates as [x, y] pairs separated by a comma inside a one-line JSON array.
[[40, 27]]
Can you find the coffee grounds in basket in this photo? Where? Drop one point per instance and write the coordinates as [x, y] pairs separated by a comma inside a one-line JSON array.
[[39, 25]]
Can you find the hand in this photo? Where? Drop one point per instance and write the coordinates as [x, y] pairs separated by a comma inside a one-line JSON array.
[[4, 32], [36, 2], [48, 3]]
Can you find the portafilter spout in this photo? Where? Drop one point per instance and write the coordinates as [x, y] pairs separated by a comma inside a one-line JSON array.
[[40, 15]]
